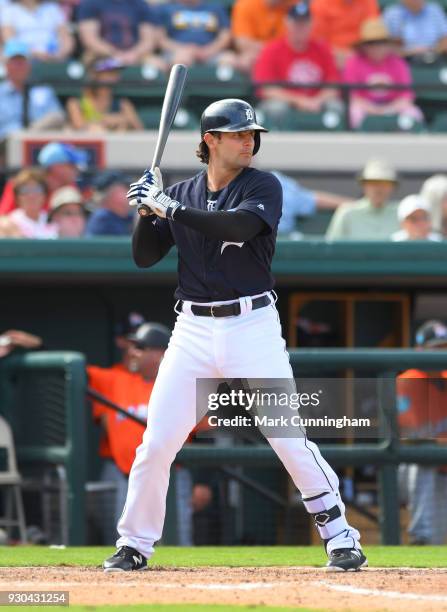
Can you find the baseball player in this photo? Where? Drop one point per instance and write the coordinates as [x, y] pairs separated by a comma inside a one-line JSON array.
[[224, 222]]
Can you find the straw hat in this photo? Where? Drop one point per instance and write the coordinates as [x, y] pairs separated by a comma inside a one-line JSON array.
[[374, 30], [378, 170]]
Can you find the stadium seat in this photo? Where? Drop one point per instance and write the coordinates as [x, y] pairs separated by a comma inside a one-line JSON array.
[[430, 75], [304, 122], [390, 123], [142, 82], [439, 123], [213, 82], [65, 77], [184, 120]]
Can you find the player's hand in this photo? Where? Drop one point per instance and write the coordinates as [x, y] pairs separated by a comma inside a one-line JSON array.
[[150, 195], [149, 178]]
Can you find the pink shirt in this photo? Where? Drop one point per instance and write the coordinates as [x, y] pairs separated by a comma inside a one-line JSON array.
[[392, 70]]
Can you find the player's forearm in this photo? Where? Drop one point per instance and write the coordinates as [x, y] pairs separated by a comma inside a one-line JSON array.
[[146, 246], [221, 224]]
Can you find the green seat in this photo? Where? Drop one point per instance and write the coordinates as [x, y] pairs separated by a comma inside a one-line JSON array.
[[390, 123], [184, 120], [431, 75], [385, 3], [214, 82], [293, 120], [142, 82], [439, 123], [65, 77]]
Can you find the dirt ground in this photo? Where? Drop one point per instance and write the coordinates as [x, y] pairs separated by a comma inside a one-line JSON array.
[[370, 589]]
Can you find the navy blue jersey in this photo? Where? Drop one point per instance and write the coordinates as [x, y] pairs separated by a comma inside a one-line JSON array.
[[210, 269]]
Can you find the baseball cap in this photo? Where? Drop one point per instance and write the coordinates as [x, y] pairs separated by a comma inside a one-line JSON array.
[[129, 323], [378, 170], [410, 204], [300, 10], [61, 153], [431, 333], [15, 47], [151, 335], [64, 195]]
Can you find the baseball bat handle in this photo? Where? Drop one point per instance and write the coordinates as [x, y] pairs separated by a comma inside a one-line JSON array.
[[171, 102]]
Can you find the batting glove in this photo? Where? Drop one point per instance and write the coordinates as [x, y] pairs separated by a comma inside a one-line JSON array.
[[150, 195], [149, 178]]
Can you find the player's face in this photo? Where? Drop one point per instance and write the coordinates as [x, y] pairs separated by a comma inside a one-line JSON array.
[[234, 150]]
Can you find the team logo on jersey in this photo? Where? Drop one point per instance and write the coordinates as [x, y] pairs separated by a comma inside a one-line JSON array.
[[260, 206], [249, 114], [211, 204], [225, 244]]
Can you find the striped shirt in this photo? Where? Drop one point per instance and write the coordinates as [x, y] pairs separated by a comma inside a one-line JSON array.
[[422, 29]]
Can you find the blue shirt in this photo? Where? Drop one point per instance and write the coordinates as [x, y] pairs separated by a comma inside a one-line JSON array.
[[297, 201], [209, 269], [42, 101], [103, 222], [119, 19], [423, 29], [198, 24]]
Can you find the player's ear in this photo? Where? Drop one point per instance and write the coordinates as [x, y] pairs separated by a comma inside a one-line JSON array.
[[209, 139]]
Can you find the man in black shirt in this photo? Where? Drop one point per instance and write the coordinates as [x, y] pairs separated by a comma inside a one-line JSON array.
[[223, 222]]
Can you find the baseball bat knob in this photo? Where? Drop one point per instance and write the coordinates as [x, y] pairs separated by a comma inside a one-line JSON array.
[[144, 211]]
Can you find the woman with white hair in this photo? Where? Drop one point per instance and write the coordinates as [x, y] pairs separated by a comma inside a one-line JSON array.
[[434, 190]]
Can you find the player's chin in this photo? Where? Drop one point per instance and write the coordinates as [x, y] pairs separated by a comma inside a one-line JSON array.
[[245, 159]]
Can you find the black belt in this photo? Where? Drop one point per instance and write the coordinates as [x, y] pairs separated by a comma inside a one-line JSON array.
[[228, 310]]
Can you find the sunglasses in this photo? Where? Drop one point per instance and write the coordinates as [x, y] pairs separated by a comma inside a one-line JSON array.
[[30, 190]]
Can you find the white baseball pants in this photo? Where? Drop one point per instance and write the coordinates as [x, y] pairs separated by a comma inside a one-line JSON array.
[[246, 346]]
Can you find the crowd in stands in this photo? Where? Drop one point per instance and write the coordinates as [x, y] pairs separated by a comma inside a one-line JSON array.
[[300, 44]]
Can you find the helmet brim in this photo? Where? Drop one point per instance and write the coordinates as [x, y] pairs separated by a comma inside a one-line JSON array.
[[238, 128]]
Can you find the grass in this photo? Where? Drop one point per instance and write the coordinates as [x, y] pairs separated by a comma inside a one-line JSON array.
[[256, 556]]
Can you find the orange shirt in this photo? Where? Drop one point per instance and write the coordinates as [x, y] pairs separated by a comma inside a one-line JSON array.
[[256, 20], [338, 22], [422, 404], [131, 392]]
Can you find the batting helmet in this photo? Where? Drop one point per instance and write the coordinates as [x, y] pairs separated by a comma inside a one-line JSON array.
[[151, 335], [231, 115]]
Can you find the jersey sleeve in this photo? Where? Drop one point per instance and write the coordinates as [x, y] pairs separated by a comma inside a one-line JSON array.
[[263, 197]]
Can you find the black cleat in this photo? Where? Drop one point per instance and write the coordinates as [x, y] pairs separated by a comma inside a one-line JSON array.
[[126, 559], [346, 560]]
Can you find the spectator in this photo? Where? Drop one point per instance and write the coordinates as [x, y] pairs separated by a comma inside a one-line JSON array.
[[434, 190], [338, 23], [41, 26], [44, 109], [123, 29], [421, 401], [415, 222], [376, 63], [295, 58], [13, 338], [112, 218], [61, 164], [194, 31], [98, 109], [297, 201], [9, 229], [67, 212], [420, 25], [254, 23], [373, 217], [30, 191]]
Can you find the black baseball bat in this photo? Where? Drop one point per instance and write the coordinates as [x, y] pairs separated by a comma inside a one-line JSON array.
[[171, 102]]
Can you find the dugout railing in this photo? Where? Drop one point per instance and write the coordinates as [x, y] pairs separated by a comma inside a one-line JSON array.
[[43, 396]]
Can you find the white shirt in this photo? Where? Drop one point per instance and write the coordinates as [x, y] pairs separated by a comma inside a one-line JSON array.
[[33, 229], [402, 235], [36, 28]]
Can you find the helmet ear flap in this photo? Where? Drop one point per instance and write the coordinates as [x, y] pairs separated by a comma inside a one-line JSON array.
[[257, 142]]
